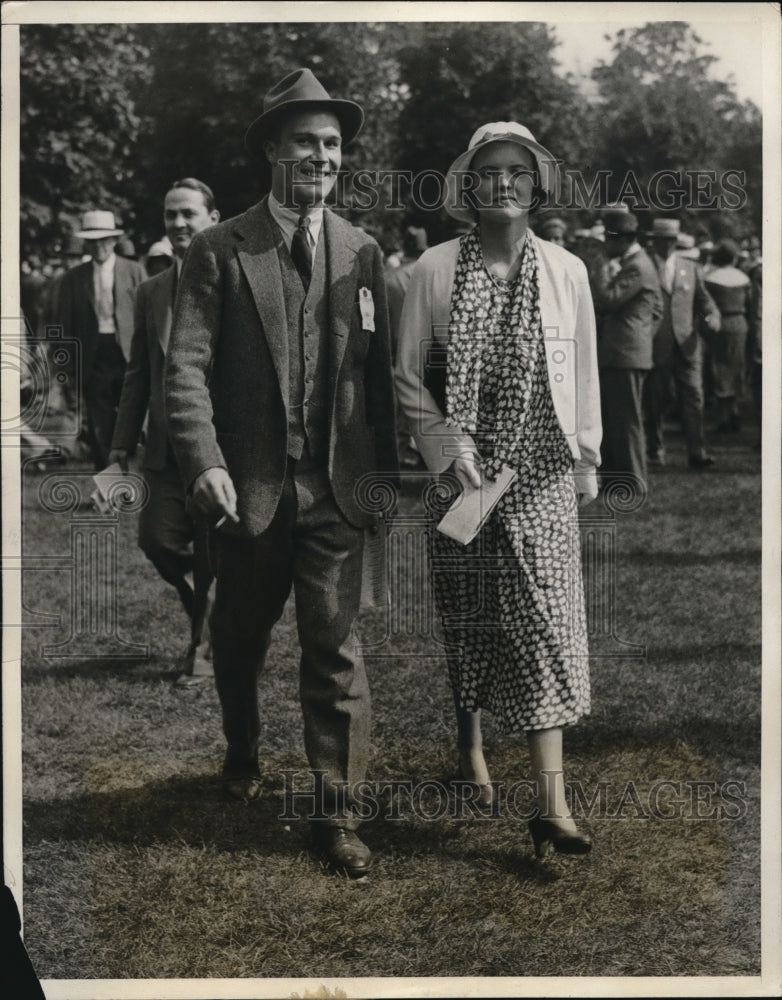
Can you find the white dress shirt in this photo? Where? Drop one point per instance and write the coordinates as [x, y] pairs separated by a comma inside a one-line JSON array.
[[103, 283], [288, 221]]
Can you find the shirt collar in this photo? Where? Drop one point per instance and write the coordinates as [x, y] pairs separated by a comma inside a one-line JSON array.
[[288, 219], [632, 250], [107, 265]]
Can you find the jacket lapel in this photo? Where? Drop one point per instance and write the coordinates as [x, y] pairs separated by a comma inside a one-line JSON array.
[[88, 277], [257, 252], [162, 306], [342, 281]]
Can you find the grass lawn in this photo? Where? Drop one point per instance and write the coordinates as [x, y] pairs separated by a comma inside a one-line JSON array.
[[135, 867]]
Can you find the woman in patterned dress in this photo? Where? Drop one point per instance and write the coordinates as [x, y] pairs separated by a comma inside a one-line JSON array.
[[520, 389]]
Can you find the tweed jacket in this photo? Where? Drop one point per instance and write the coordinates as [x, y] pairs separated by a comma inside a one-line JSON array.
[[226, 378], [142, 390], [688, 302], [568, 322], [629, 308], [77, 312]]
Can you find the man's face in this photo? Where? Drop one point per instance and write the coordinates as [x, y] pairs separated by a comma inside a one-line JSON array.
[[185, 214], [305, 156], [615, 245], [100, 250], [664, 246]]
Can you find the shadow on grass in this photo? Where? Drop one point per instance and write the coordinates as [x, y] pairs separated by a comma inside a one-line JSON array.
[[191, 813], [126, 671]]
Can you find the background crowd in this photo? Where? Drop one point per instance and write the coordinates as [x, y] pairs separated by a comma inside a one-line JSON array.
[[95, 138]]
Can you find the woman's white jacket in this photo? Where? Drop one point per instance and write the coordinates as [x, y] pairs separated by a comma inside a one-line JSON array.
[[568, 322]]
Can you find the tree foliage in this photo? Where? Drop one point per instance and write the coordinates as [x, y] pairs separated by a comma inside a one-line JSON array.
[[662, 111], [112, 114], [461, 76], [79, 122]]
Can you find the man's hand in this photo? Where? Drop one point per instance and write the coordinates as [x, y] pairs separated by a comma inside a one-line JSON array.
[[120, 457], [466, 470], [215, 496]]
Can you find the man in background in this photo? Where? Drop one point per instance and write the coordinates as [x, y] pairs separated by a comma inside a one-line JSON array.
[[678, 349], [628, 308], [96, 307], [414, 242], [169, 535]]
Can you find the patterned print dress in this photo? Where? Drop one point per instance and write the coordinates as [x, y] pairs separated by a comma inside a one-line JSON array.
[[511, 601]]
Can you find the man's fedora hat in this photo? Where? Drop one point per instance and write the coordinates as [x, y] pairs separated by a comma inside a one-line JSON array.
[[666, 227], [456, 204], [299, 91], [97, 225]]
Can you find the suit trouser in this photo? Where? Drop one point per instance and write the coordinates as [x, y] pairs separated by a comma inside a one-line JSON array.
[[684, 375], [176, 545], [623, 449], [311, 547], [102, 391]]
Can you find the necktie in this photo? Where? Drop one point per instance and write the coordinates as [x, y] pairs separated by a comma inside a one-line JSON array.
[[301, 251]]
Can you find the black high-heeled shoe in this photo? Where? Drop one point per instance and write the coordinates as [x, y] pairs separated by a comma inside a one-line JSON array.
[[547, 836]]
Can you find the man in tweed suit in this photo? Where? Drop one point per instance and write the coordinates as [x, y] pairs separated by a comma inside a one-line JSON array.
[[168, 534], [279, 399]]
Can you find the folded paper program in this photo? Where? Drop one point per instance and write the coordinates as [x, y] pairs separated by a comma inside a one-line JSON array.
[[471, 509]]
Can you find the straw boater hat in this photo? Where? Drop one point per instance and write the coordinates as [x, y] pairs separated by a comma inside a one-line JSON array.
[[553, 225], [98, 225], [162, 248], [666, 227], [455, 201], [299, 91]]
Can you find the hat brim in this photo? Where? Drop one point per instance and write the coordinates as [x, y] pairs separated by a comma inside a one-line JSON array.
[[548, 171], [98, 234], [349, 114]]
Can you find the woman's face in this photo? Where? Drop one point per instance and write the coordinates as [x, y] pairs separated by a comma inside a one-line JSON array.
[[504, 179]]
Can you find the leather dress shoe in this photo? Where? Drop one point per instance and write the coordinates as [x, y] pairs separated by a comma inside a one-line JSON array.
[[241, 780], [343, 850], [701, 462]]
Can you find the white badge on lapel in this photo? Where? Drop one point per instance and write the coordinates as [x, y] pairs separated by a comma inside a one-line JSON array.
[[367, 306]]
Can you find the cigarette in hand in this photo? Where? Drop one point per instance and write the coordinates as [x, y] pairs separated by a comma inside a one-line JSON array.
[[221, 522]]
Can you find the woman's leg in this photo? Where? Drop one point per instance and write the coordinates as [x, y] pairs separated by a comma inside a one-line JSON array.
[[545, 750], [470, 745]]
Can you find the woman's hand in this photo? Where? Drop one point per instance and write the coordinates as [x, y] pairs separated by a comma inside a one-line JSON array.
[[466, 470]]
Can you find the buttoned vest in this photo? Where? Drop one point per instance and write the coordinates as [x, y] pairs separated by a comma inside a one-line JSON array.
[[308, 343]]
